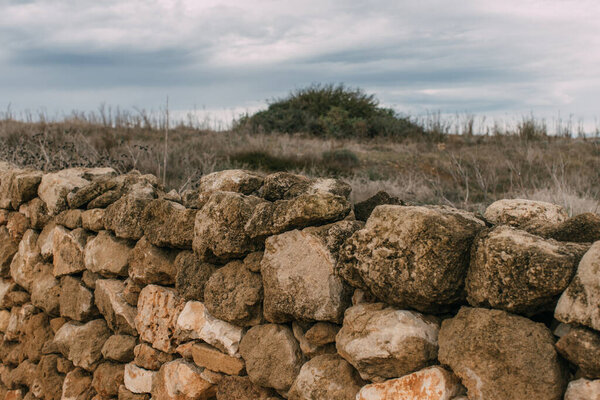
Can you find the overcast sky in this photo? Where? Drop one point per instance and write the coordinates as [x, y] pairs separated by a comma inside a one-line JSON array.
[[498, 58]]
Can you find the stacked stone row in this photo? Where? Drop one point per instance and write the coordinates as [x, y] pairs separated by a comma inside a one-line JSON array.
[[268, 287]]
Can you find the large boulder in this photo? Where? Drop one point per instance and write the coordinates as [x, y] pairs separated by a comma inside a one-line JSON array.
[[24, 267], [273, 357], [107, 255], [519, 272], [82, 343], [192, 275], [583, 389], [119, 315], [168, 224], [415, 257], [68, 250], [298, 272], [579, 303], [149, 264], [581, 346], [286, 186], [326, 376], [382, 342], [526, 214], [181, 380], [501, 356]]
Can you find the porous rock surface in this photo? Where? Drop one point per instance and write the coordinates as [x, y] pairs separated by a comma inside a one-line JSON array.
[[526, 214]]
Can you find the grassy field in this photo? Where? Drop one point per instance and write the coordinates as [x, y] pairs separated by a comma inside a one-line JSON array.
[[468, 171]]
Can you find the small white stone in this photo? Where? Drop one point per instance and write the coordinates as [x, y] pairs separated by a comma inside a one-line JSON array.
[[138, 380]]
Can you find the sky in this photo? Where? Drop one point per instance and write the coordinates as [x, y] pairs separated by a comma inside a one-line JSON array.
[[501, 59]]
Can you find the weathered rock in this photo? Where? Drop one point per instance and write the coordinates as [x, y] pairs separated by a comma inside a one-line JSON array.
[[108, 376], [326, 377], [582, 347], [583, 389], [138, 380], [17, 225], [383, 342], [413, 257], [76, 301], [284, 186], [234, 294], [124, 216], [46, 241], [16, 322], [89, 279], [80, 197], [82, 343], [192, 275], [149, 264], [54, 188], [36, 212], [132, 291], [363, 209], [583, 228], [93, 220], [519, 272], [18, 186], [4, 318], [119, 348], [126, 394], [24, 266], [236, 180], [22, 375], [241, 388], [68, 247], [527, 214], [70, 219], [181, 380], [309, 349], [194, 322], [8, 248], [579, 303], [158, 309], [45, 290], [206, 356], [433, 383], [322, 333], [77, 386], [168, 224], [298, 272], [501, 356], [11, 294], [36, 332], [273, 357], [119, 315], [56, 323], [149, 358], [48, 382]]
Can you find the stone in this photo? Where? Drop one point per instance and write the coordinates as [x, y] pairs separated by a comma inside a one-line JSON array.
[[272, 355], [581, 347], [11, 294], [411, 257], [22, 375], [89, 279], [4, 318], [45, 290], [284, 186], [24, 266], [82, 343], [8, 248], [17, 225], [363, 209], [582, 228], [234, 294], [194, 322], [326, 376], [322, 333], [299, 276], [16, 322], [149, 264], [521, 213], [498, 355], [382, 342], [241, 388], [70, 219], [46, 241], [236, 180], [80, 197], [54, 188], [56, 323], [168, 224], [119, 315], [77, 386], [18, 186], [36, 212], [433, 383], [4, 216], [579, 303], [125, 394], [138, 380], [149, 358], [35, 332], [48, 381], [68, 248], [132, 291], [192, 275], [516, 271], [583, 389], [309, 349], [76, 301], [181, 380], [93, 220], [158, 309], [108, 376], [119, 348], [124, 216], [206, 356]]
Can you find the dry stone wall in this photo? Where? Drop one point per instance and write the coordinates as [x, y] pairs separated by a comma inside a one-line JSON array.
[[270, 287]]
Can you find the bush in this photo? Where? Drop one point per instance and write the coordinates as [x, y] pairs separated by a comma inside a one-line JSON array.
[[331, 111]]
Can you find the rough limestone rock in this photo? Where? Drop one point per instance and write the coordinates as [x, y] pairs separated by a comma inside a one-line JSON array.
[[326, 377], [18, 186], [47, 382], [286, 186], [582, 347], [45, 290], [132, 292], [158, 308], [77, 386], [519, 272], [383, 342], [35, 332], [8, 248], [36, 212], [70, 219], [501, 356], [138, 380], [24, 266], [414, 257], [54, 188], [46, 241], [68, 248], [527, 214], [582, 228], [149, 358], [273, 357], [219, 230], [125, 394], [119, 348], [433, 383], [149, 264], [82, 196], [107, 255], [119, 315], [124, 216], [192, 275], [234, 294], [194, 322], [168, 224], [363, 209], [108, 376], [322, 333], [241, 388], [298, 272], [583, 389], [92, 220], [206, 356], [82, 343], [579, 303], [76, 301], [236, 180], [181, 380]]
